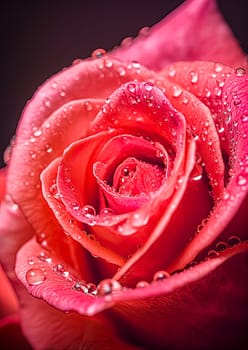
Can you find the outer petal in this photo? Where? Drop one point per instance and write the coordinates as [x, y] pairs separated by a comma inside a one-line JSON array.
[[66, 331], [208, 312], [194, 31], [225, 91]]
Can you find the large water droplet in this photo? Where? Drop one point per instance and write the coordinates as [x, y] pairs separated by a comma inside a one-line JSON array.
[[176, 91], [160, 276], [35, 277], [139, 219], [220, 246], [108, 286], [89, 213], [148, 86], [240, 71]]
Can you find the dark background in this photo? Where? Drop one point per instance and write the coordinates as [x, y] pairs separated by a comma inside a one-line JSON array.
[[40, 38]]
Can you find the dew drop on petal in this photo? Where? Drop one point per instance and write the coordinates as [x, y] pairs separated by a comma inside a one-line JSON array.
[[241, 180], [142, 284], [244, 118], [194, 77], [108, 286], [92, 289], [160, 276], [98, 53], [148, 86], [176, 91], [240, 71], [35, 277], [131, 87], [213, 254], [10, 203], [220, 246], [218, 67], [80, 286], [233, 240]]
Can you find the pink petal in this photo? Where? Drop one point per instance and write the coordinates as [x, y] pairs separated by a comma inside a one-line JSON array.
[[65, 330], [63, 219], [187, 291], [204, 307], [58, 114], [225, 91], [194, 31]]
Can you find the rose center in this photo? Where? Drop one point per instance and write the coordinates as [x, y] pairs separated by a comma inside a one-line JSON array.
[[134, 177]]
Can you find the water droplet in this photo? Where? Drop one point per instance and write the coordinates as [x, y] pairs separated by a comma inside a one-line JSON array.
[[35, 277], [194, 77], [244, 118], [43, 256], [54, 85], [217, 91], [172, 72], [160, 276], [89, 213], [47, 102], [98, 53], [131, 87], [80, 286], [92, 288], [241, 180], [148, 86], [30, 261], [10, 203], [88, 106], [108, 63], [108, 286], [185, 100], [213, 254], [220, 246], [122, 71], [48, 148], [37, 133], [233, 240], [218, 67], [139, 219], [159, 153], [142, 284], [176, 91], [240, 71]]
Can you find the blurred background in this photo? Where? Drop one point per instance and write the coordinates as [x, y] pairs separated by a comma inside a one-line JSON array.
[[40, 38]]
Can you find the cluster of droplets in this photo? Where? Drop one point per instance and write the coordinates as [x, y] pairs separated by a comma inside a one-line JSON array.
[[222, 246]]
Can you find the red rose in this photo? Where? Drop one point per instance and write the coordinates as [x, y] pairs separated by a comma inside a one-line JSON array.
[[126, 195]]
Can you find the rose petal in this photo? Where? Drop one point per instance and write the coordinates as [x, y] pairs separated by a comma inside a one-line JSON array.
[[204, 307], [70, 226], [203, 36], [67, 330], [58, 114], [220, 89], [58, 288]]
